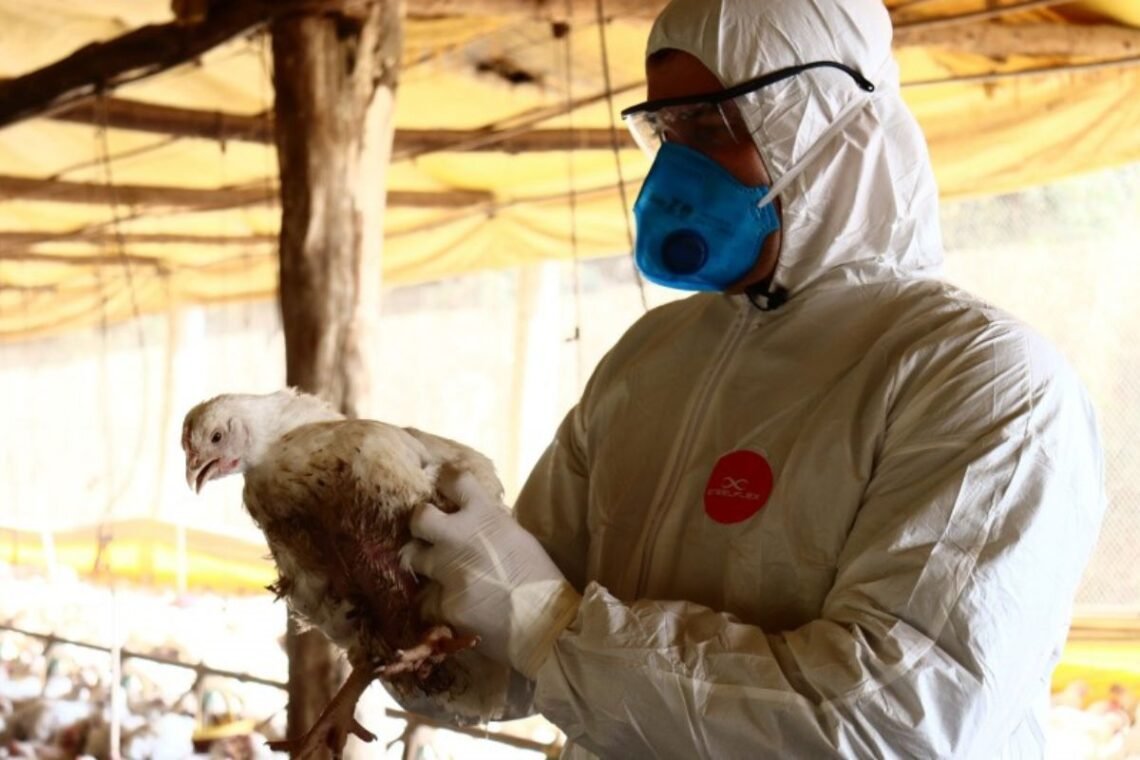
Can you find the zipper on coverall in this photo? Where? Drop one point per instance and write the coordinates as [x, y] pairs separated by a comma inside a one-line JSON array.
[[680, 454]]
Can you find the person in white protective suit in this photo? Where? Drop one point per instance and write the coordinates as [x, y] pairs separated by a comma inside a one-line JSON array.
[[834, 507]]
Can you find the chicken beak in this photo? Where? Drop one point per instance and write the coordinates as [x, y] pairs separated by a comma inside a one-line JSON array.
[[196, 476], [192, 477]]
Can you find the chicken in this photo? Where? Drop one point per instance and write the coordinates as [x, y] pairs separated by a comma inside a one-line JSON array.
[[42, 720], [333, 498], [1120, 701], [1074, 695]]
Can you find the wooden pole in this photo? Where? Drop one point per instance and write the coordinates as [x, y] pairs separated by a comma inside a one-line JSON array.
[[335, 76]]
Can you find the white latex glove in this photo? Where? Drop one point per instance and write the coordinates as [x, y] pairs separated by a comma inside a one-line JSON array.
[[494, 578]]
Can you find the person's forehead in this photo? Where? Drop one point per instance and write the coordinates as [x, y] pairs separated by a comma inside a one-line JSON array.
[[678, 74]]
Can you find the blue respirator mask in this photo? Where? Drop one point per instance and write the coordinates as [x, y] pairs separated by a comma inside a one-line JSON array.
[[698, 227]]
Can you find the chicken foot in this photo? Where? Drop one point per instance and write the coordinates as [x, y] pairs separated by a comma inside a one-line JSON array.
[[336, 721], [436, 645]]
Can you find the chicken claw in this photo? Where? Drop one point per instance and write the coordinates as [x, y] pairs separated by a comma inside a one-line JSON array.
[[335, 723]]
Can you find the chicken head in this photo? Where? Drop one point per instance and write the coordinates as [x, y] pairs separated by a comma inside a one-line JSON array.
[[216, 440]]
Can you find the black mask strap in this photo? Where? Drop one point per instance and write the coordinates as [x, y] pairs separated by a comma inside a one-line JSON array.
[[763, 298]]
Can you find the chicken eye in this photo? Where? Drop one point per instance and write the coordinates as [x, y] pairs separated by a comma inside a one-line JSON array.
[[216, 437]]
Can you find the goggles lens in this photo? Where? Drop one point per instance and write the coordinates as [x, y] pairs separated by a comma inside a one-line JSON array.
[[710, 122], [707, 126]]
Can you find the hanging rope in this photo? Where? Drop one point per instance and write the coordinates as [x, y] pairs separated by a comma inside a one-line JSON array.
[[113, 197], [568, 65], [114, 493], [616, 146], [271, 176]]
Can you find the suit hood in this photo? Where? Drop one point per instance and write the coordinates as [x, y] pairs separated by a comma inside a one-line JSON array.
[[851, 168]]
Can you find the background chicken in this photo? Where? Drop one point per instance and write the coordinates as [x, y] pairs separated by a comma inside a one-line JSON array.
[[333, 498]]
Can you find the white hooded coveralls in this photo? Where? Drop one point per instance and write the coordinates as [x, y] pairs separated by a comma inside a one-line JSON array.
[[905, 588]]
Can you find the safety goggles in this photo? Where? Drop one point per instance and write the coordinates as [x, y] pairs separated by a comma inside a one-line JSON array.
[[710, 122]]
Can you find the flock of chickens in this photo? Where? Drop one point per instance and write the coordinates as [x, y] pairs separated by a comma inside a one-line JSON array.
[[49, 714], [1103, 728]]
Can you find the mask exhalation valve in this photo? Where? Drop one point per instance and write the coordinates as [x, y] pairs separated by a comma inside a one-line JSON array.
[[684, 252]]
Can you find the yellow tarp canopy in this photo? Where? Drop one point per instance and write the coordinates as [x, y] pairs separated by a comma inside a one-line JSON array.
[[65, 265], [146, 552]]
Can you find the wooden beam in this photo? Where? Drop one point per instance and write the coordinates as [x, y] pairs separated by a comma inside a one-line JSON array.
[[1044, 71], [258, 128], [60, 191], [17, 244], [13, 243], [587, 9], [419, 142], [154, 48], [1000, 40], [524, 122], [537, 9], [143, 52], [981, 37], [121, 113], [998, 11], [86, 261], [101, 66]]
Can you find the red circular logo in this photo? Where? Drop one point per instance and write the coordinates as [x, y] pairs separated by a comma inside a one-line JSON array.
[[739, 486]]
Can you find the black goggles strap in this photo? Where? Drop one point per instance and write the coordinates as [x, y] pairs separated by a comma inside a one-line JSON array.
[[750, 86]]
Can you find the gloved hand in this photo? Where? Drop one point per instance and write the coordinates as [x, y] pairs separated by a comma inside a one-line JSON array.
[[494, 578]]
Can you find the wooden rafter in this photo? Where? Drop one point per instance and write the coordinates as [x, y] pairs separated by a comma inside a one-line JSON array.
[[13, 243], [132, 259], [60, 191], [997, 11], [102, 66], [154, 48], [1091, 67], [137, 54], [139, 116], [537, 9], [1040, 39], [1102, 41]]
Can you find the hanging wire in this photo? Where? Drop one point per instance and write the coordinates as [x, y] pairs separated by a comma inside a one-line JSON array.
[[102, 527], [219, 223], [615, 144], [102, 530], [568, 66], [16, 477], [271, 176], [116, 224], [142, 150], [114, 493]]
